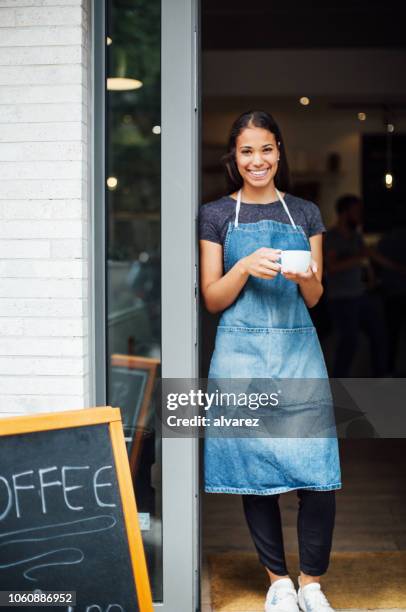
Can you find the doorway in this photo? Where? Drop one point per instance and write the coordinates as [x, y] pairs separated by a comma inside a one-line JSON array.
[[332, 76]]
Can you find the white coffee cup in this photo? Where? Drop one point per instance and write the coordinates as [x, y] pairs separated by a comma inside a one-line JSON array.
[[295, 261]]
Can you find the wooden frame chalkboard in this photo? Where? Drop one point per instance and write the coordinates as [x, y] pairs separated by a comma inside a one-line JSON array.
[[146, 367], [85, 418]]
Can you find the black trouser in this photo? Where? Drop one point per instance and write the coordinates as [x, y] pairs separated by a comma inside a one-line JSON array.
[[315, 524]]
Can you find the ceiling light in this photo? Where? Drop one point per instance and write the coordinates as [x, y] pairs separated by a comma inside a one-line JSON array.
[[122, 84], [389, 151], [109, 41], [304, 101], [112, 183], [156, 129], [362, 116]]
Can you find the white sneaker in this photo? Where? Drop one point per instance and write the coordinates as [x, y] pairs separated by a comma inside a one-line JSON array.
[[281, 597], [312, 599]]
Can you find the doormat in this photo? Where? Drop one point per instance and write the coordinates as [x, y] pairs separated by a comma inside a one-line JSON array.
[[239, 582]]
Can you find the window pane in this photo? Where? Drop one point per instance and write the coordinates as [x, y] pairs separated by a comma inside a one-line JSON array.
[[133, 223]]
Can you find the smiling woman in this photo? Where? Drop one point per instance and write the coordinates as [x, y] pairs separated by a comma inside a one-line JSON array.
[[265, 331], [257, 162], [256, 155]]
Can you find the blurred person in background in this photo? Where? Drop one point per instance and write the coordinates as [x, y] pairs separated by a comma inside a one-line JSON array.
[[392, 272], [353, 307]]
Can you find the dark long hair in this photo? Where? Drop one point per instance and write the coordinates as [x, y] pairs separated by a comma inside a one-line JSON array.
[[261, 119]]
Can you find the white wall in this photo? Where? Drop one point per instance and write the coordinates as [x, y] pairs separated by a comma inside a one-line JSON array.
[[43, 205]]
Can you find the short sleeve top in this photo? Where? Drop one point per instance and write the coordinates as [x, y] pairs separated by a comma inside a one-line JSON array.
[[215, 216]]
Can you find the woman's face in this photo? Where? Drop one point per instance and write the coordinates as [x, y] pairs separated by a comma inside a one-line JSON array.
[[257, 156]]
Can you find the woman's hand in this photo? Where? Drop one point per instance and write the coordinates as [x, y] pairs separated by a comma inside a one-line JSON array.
[[262, 263], [301, 277], [309, 282]]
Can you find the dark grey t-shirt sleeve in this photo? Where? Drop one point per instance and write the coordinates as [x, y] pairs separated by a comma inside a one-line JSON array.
[[315, 222], [208, 226]]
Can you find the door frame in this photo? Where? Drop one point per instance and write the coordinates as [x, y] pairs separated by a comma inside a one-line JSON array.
[[180, 192], [180, 123]]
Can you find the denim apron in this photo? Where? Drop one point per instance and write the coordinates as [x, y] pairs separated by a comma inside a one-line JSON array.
[[267, 333]]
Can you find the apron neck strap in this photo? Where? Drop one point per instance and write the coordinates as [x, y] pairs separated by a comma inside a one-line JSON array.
[[238, 205], [237, 208], [285, 207]]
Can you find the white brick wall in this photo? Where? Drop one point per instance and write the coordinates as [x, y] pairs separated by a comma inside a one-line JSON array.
[[44, 343]]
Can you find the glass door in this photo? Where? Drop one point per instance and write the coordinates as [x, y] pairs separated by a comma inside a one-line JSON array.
[[133, 250], [145, 256]]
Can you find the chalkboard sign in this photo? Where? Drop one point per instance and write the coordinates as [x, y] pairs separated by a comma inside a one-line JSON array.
[[131, 385], [68, 517]]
